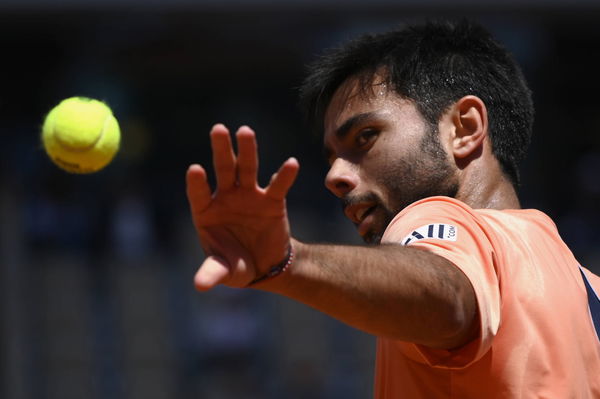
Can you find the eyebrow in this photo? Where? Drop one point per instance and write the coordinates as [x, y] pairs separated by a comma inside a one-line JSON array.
[[345, 128]]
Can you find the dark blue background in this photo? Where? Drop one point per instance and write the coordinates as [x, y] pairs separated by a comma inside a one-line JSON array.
[[96, 271]]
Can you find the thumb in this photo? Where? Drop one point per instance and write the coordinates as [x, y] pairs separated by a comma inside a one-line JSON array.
[[213, 271]]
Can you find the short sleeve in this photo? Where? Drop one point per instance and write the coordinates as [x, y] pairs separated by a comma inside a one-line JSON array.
[[449, 228]]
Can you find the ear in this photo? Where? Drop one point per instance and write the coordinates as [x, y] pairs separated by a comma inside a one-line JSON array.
[[470, 122]]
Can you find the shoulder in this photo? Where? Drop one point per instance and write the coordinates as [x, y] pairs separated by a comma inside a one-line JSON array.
[[453, 230], [433, 217], [440, 209], [435, 205]]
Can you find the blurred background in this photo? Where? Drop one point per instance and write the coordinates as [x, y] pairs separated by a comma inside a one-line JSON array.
[[96, 271]]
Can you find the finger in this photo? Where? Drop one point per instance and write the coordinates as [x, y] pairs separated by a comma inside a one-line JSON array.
[[247, 161], [205, 239], [198, 190], [223, 156], [283, 179], [214, 270]]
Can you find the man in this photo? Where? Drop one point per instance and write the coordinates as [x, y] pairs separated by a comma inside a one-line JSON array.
[[469, 295]]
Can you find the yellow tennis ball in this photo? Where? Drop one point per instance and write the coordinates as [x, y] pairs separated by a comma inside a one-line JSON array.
[[81, 135]]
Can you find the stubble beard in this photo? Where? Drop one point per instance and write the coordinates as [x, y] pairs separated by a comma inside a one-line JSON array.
[[425, 174]]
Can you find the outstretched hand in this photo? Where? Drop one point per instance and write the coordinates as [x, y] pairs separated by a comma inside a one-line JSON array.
[[243, 228]]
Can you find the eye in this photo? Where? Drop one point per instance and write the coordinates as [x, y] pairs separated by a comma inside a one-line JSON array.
[[365, 136]]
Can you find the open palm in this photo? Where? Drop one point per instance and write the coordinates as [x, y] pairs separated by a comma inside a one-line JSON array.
[[242, 227]]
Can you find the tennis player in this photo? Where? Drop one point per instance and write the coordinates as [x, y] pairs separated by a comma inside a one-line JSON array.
[[470, 296]]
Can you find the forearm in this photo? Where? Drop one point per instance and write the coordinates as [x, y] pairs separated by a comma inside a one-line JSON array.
[[387, 290]]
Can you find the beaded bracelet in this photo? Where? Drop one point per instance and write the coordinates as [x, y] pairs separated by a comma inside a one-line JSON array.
[[277, 269]]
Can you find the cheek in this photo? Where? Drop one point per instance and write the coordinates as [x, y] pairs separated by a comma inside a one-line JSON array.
[[393, 159], [392, 165], [375, 166]]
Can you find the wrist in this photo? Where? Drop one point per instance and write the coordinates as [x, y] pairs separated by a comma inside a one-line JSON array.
[[278, 269]]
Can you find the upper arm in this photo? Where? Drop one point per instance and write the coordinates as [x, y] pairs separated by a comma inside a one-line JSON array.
[[445, 229]]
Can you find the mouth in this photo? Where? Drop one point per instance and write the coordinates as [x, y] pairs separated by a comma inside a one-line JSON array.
[[367, 220], [360, 214]]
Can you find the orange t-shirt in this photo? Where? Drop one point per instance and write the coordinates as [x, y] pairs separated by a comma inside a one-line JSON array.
[[537, 339]]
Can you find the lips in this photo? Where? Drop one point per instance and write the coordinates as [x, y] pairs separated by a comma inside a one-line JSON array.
[[358, 212], [363, 212]]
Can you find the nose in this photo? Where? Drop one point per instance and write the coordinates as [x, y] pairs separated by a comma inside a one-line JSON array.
[[341, 178]]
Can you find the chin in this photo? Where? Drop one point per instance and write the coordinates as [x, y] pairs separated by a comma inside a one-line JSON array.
[[372, 238], [375, 234]]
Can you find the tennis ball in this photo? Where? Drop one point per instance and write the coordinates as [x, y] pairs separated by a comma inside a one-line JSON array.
[[81, 135]]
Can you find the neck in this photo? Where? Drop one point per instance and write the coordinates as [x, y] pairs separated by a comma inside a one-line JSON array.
[[502, 196], [487, 187]]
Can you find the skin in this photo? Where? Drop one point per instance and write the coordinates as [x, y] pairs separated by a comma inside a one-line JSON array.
[[383, 157], [386, 290]]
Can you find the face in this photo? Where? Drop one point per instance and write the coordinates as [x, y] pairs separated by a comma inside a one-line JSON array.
[[383, 156]]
